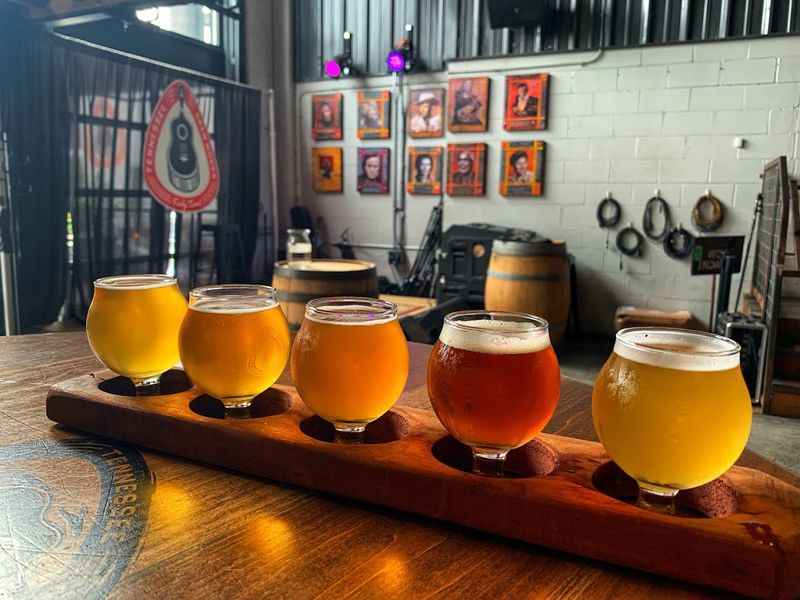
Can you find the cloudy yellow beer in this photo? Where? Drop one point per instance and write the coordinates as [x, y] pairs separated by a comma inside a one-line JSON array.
[[350, 360], [671, 407], [133, 325], [234, 342]]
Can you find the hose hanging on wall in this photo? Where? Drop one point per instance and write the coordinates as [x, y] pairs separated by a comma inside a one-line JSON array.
[[678, 243], [708, 223], [659, 204], [624, 245], [604, 219]]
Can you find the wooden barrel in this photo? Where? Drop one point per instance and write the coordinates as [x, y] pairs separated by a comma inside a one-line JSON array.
[[532, 278], [300, 282]]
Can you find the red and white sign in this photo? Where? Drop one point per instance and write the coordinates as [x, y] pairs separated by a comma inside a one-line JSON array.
[[180, 166]]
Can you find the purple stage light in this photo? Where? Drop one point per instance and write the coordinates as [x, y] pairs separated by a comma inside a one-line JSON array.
[[396, 61], [333, 69]]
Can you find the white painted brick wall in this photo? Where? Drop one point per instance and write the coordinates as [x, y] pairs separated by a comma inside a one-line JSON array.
[[630, 122]]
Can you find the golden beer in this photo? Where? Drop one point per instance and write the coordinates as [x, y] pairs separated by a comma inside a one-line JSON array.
[[671, 408], [350, 360], [133, 325], [234, 341]]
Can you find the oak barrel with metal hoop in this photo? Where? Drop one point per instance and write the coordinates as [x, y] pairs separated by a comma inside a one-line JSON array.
[[299, 282], [532, 278]]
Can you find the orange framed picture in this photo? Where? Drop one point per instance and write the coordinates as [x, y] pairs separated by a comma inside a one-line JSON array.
[[326, 116], [424, 170], [522, 168], [426, 113], [373, 170], [374, 115], [466, 169], [526, 102], [468, 104], [326, 170]]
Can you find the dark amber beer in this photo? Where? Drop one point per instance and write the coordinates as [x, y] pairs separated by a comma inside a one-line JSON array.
[[493, 380]]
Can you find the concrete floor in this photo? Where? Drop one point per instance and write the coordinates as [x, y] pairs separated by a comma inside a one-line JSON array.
[[776, 438]]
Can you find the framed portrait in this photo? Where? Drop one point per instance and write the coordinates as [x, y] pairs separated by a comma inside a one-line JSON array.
[[326, 170], [426, 113], [374, 115], [466, 169], [424, 170], [526, 102], [326, 116], [522, 168], [468, 104], [373, 170]]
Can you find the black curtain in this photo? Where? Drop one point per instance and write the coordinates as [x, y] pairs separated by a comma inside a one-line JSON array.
[[36, 121], [94, 105]]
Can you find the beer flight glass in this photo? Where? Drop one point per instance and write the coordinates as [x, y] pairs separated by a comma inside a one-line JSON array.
[[234, 341], [133, 325], [350, 362], [494, 381], [672, 409]]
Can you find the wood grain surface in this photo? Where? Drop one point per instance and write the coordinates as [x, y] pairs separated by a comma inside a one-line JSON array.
[[174, 528]]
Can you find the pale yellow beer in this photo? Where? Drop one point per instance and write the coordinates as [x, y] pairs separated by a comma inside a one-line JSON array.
[[133, 325], [671, 407], [350, 360], [234, 342]]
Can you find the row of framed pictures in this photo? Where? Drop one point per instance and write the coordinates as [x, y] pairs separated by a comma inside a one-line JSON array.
[[467, 109], [521, 169]]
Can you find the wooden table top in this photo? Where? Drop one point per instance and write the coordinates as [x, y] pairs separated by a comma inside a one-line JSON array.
[[174, 528]]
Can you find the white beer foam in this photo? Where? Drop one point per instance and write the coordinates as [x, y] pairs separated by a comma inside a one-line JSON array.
[[495, 337], [347, 310], [134, 282], [232, 307], [701, 353]]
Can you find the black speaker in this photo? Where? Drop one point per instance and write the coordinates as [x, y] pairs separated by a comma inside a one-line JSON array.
[[518, 13]]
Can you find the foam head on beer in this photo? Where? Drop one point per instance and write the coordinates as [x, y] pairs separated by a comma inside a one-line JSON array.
[[671, 407], [493, 378]]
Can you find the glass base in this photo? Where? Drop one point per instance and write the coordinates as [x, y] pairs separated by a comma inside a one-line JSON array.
[[147, 386], [488, 461], [237, 402], [656, 498], [349, 433]]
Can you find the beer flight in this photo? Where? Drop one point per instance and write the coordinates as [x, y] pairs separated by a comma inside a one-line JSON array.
[[670, 406]]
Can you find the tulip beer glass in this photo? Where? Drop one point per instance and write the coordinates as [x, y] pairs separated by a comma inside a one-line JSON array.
[[672, 409], [350, 361], [133, 325], [234, 341], [494, 381]]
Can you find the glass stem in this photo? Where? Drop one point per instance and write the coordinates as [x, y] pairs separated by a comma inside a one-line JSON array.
[[656, 498], [148, 386], [349, 433], [488, 461]]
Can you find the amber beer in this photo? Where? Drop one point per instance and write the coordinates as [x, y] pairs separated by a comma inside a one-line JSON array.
[[350, 361], [234, 342], [672, 409], [493, 380], [133, 325]]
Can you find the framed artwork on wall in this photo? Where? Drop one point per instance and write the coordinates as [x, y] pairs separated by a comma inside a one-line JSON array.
[[373, 170], [426, 113], [326, 116], [466, 169], [424, 170], [468, 104], [522, 168], [326, 170], [526, 102], [374, 115]]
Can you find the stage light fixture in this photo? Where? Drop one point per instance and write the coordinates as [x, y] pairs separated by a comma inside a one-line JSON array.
[[341, 65], [401, 59]]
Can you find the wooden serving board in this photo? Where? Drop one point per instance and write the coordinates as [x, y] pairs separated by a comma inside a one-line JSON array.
[[411, 465]]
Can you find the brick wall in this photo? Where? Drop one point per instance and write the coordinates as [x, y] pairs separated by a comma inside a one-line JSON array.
[[628, 121]]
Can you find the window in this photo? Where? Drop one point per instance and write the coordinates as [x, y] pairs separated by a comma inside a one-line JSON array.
[[195, 21]]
